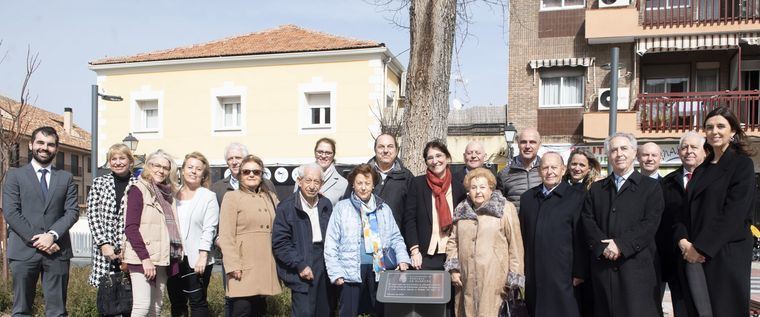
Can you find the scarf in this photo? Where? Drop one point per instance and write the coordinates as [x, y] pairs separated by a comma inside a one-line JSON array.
[[493, 207], [164, 197], [440, 186], [371, 232]]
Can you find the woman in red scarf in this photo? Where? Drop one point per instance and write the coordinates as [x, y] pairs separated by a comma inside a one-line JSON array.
[[429, 206]]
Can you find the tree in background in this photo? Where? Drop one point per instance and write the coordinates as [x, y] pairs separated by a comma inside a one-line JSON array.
[[13, 127]]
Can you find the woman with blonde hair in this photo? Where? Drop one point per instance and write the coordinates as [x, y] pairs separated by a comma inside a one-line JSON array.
[[153, 246], [104, 213], [198, 214], [485, 249], [245, 237], [583, 169]]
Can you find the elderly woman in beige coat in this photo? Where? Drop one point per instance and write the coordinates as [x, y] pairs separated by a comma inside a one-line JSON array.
[[245, 237], [485, 246]]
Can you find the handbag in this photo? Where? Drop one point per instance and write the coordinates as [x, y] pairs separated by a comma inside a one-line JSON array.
[[514, 305], [115, 292]]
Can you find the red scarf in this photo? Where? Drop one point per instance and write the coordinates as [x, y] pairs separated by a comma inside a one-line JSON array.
[[440, 186]]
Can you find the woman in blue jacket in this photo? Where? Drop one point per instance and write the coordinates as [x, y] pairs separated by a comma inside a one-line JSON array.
[[362, 240]]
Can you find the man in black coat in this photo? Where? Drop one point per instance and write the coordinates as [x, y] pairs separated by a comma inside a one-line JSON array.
[[556, 257], [620, 217], [394, 177], [297, 244], [474, 156], [691, 153]]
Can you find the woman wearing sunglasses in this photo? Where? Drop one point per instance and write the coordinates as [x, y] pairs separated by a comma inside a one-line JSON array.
[[245, 236]]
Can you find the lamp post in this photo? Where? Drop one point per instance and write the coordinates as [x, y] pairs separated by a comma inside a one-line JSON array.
[[131, 142], [94, 147], [509, 135]]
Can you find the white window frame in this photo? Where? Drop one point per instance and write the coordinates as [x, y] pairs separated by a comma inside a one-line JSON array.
[[137, 113], [667, 7], [317, 86], [542, 8], [562, 74], [219, 95]]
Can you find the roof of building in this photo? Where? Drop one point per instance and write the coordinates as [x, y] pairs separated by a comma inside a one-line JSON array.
[[283, 39], [38, 117], [478, 120]]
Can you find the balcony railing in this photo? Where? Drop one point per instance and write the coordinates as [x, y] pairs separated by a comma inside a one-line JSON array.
[[677, 112], [659, 13]]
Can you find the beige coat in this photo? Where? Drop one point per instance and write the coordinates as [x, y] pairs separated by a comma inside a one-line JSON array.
[[484, 247], [245, 237], [153, 228]]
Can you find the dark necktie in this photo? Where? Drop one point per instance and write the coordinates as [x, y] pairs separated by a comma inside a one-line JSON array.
[[688, 180], [43, 183]]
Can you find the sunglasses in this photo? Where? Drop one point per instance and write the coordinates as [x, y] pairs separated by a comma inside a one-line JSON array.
[[246, 172]]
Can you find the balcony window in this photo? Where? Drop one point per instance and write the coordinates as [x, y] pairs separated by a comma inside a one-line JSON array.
[[561, 90], [666, 85], [707, 79], [667, 4], [548, 5]]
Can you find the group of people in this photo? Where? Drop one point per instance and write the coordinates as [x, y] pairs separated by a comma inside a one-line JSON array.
[[579, 244]]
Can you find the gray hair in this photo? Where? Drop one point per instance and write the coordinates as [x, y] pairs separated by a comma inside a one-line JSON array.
[[302, 169], [630, 137], [691, 134], [561, 160], [235, 146]]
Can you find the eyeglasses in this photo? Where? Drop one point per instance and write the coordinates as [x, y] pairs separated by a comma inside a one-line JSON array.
[[247, 172], [324, 153]]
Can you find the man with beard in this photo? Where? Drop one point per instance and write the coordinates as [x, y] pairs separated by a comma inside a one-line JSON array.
[[620, 218], [40, 205], [394, 177]]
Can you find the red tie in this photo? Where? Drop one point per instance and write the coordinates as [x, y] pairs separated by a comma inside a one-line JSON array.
[[688, 179]]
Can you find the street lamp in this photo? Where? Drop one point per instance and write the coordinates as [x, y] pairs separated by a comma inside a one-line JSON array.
[[509, 134], [94, 147], [131, 142]]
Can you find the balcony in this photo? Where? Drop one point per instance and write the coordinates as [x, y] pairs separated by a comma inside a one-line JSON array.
[[681, 112], [668, 116], [660, 13], [671, 18]]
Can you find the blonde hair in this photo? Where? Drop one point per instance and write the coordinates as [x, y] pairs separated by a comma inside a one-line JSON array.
[[120, 148], [480, 172], [206, 175], [171, 179]]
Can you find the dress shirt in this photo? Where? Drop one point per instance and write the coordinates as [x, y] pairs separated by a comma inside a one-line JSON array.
[[313, 212], [234, 183], [37, 167], [620, 179], [686, 178]]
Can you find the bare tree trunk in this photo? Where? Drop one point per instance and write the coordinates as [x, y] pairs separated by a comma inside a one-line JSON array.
[[432, 24]]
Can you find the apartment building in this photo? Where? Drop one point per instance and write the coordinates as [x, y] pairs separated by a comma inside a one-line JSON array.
[[678, 60]]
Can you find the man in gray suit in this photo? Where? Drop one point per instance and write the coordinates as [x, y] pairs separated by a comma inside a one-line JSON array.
[[40, 205]]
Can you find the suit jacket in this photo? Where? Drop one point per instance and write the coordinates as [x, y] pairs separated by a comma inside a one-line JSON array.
[[627, 286], [28, 213], [674, 195], [418, 217]]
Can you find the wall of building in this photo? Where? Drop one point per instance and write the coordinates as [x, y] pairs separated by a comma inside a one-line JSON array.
[[272, 94]]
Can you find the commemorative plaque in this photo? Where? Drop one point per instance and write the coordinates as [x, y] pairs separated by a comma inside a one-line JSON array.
[[414, 293]]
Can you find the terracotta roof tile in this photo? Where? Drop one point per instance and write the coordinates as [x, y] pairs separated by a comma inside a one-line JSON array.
[[284, 39], [78, 137]]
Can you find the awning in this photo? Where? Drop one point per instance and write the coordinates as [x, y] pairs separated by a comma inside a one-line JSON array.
[[560, 62], [688, 43]]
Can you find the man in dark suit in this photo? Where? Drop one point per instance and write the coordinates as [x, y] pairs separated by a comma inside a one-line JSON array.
[[620, 217], [649, 156], [40, 205], [233, 155], [692, 154], [556, 257]]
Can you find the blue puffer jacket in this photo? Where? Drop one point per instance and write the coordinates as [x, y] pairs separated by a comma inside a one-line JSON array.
[[344, 240]]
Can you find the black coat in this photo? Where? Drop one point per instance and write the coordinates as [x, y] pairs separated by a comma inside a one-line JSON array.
[[668, 252], [393, 190], [555, 249], [627, 286], [292, 245], [418, 216], [716, 219]]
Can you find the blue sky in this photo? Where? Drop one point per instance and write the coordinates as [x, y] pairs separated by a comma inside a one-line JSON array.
[[68, 34]]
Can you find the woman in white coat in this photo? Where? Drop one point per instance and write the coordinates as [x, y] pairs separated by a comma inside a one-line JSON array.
[[198, 214]]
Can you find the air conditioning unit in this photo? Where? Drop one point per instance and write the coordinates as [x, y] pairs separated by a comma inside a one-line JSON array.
[[604, 99], [613, 3]]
